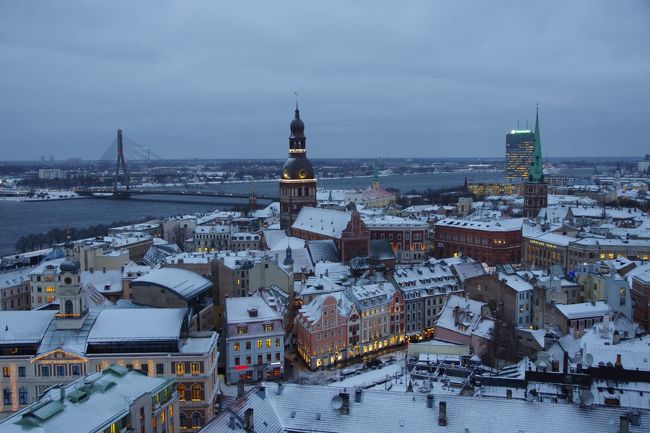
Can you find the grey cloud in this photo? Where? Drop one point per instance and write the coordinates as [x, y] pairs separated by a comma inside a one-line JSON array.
[[422, 78]]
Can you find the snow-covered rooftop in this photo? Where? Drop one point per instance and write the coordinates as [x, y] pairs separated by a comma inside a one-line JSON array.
[[307, 408], [137, 324], [107, 398], [184, 283], [515, 282], [21, 327], [584, 310], [105, 281], [323, 221], [249, 309], [501, 225]]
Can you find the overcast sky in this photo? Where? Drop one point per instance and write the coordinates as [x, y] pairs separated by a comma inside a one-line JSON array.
[[419, 79]]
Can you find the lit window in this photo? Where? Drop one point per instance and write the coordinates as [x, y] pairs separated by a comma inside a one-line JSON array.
[[268, 342], [260, 344], [196, 392], [180, 368], [171, 411], [180, 389], [235, 346], [6, 371], [277, 342], [162, 417], [268, 327], [196, 369], [49, 290]]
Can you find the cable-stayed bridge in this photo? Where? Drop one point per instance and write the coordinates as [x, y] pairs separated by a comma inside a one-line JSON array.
[[123, 149]]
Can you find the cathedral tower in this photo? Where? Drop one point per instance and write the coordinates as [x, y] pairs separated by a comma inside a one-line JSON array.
[[297, 180]]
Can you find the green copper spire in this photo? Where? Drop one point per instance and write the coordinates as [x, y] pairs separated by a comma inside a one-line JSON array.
[[536, 170]]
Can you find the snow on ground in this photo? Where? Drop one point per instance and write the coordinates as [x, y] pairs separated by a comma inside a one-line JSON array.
[[371, 377]]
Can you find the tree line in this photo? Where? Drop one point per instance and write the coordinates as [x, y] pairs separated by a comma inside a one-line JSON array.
[[37, 241]]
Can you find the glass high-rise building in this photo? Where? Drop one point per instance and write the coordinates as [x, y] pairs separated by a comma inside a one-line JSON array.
[[519, 153]]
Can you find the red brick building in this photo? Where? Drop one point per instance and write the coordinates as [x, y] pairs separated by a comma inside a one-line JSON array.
[[496, 242], [345, 228]]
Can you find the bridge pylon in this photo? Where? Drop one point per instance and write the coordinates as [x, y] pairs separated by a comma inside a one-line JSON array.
[[121, 194]]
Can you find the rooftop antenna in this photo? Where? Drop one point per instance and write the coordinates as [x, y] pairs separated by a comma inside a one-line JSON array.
[[296, 95]]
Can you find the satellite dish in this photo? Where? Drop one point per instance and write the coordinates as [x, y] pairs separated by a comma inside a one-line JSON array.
[[337, 402], [589, 359], [586, 397]]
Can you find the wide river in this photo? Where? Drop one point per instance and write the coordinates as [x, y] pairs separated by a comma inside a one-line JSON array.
[[22, 218]]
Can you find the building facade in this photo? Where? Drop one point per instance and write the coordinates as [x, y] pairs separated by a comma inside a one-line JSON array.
[[254, 341], [519, 153], [409, 238], [641, 299], [495, 242], [425, 289]]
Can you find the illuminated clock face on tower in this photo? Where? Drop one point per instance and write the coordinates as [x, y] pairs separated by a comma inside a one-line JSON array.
[[302, 174]]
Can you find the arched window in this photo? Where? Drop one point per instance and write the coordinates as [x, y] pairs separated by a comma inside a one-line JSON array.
[[196, 420], [68, 307], [180, 389], [183, 420], [196, 392]]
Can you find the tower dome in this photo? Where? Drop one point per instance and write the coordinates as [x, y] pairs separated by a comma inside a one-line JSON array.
[[297, 127]]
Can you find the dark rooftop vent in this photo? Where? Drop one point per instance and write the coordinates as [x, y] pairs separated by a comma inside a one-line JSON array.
[[252, 312]]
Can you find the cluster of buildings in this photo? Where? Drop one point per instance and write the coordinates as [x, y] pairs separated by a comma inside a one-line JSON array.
[[546, 295]]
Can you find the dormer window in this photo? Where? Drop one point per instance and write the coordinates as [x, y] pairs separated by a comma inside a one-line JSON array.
[[242, 329], [268, 327]]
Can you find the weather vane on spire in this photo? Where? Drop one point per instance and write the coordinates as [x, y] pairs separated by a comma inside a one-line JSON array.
[[296, 95]]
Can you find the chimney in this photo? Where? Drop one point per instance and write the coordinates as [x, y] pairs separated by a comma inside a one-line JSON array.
[[280, 388], [616, 337], [61, 392], [240, 389], [430, 401], [442, 414], [104, 269], [606, 325], [248, 420], [555, 365], [456, 315], [618, 363], [624, 424], [565, 367], [345, 407], [261, 391], [357, 395]]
